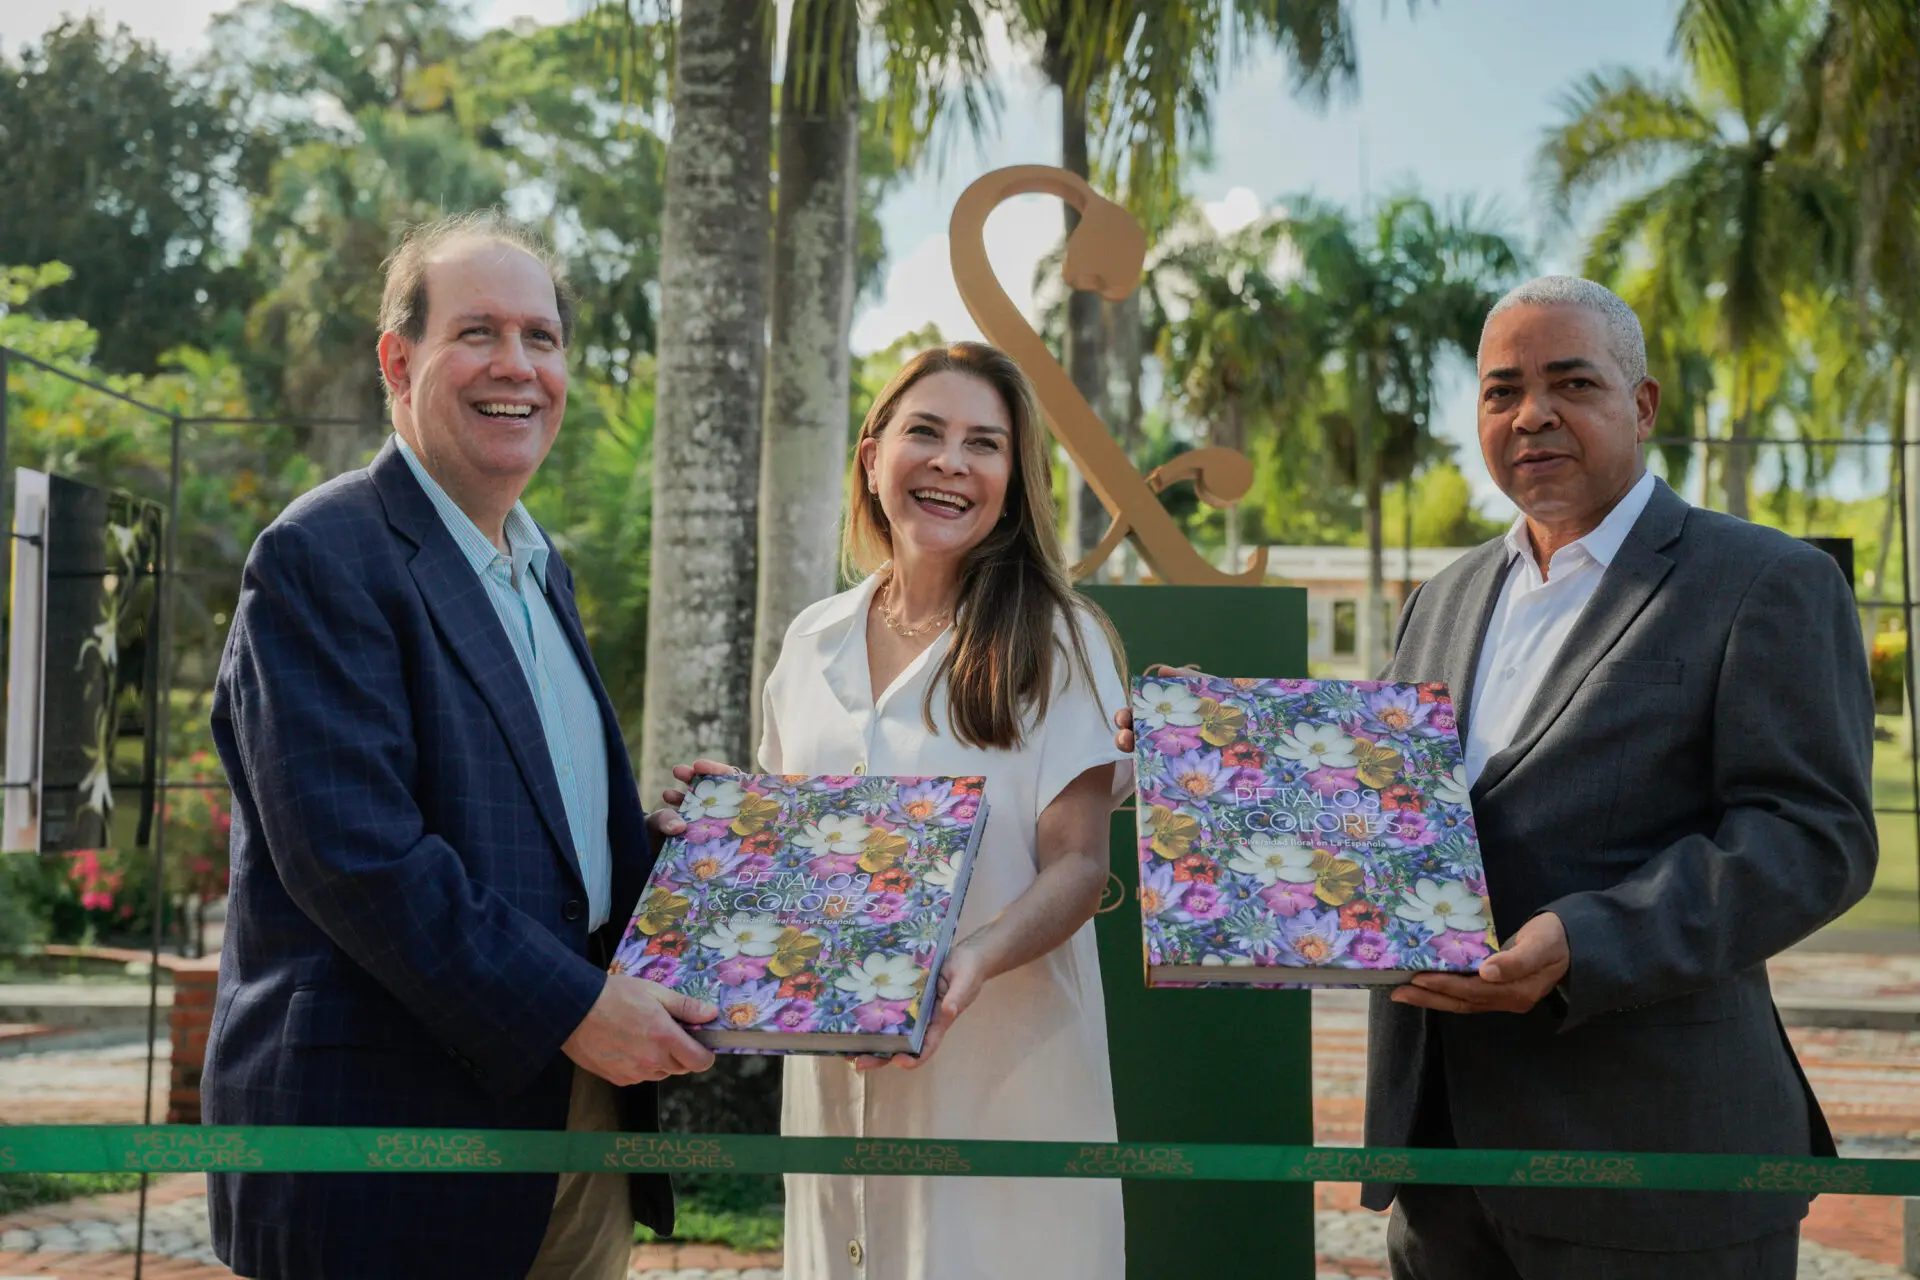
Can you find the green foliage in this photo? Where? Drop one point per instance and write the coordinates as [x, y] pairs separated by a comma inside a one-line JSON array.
[[1443, 514], [697, 1223], [1887, 663], [594, 497], [118, 164], [20, 1191]]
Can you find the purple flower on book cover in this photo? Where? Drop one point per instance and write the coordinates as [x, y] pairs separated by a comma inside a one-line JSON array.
[[1463, 950], [1287, 898], [1315, 937], [1372, 950], [1328, 783], [747, 1006], [881, 1015], [887, 907], [1396, 711], [708, 829], [797, 1016], [1202, 901], [713, 860], [739, 970], [1174, 739], [1160, 893], [1198, 774], [1441, 717], [926, 802], [1412, 830]]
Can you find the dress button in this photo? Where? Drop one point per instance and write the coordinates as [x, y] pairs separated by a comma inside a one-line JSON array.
[[573, 910], [859, 770], [854, 1252]]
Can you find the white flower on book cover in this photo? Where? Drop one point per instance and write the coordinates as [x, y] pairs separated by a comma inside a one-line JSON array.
[[716, 798], [1160, 705]]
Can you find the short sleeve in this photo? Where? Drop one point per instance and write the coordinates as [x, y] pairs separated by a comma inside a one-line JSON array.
[[767, 755], [1077, 733]]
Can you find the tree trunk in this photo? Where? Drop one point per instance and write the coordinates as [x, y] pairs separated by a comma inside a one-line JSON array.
[[712, 365], [1735, 468], [1371, 643], [1086, 351], [803, 458]]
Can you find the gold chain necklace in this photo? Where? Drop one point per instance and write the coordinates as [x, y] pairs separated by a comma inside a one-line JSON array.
[[892, 619]]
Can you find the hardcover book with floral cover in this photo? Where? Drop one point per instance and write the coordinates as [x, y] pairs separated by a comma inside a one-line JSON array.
[[815, 912], [1304, 833]]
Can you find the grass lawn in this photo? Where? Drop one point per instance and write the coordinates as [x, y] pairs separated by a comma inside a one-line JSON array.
[[1894, 901]]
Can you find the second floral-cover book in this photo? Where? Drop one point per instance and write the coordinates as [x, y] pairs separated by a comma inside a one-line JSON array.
[[1304, 832]]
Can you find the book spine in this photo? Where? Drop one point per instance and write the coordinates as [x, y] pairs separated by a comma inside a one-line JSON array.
[[956, 899]]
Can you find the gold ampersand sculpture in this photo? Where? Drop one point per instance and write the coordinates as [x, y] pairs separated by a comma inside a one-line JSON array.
[[1105, 254]]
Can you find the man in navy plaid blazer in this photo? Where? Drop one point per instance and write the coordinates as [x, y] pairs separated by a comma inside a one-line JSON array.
[[436, 839]]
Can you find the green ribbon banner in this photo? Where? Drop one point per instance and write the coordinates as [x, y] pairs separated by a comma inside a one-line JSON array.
[[206, 1148]]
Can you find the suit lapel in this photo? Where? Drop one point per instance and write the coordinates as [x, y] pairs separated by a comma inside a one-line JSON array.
[[1479, 597], [470, 627], [1625, 588]]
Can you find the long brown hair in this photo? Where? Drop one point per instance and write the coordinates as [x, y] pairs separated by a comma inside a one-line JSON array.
[[1013, 586]]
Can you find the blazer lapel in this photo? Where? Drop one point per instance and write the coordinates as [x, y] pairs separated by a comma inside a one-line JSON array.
[[1625, 588], [1480, 595], [470, 627]]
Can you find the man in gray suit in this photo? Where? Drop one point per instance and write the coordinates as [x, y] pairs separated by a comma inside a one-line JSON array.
[[1669, 737], [1668, 731]]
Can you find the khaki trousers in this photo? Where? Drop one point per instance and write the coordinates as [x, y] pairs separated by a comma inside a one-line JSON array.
[[590, 1235]]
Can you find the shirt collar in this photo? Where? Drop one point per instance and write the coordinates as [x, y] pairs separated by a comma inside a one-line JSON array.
[[527, 548], [1604, 542]]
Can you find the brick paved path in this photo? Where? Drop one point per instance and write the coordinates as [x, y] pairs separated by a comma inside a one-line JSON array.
[[1868, 1082]]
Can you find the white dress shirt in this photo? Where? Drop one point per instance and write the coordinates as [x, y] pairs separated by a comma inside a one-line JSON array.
[[1531, 621]]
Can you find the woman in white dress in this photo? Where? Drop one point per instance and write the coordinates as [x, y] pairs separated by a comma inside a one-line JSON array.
[[965, 651]]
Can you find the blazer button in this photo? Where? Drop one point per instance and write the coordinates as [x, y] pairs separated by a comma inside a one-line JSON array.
[[573, 909], [860, 769], [855, 1254]]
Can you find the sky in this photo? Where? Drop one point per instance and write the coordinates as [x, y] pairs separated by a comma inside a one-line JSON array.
[[1452, 100]]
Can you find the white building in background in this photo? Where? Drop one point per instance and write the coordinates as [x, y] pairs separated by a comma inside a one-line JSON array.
[[1336, 583]]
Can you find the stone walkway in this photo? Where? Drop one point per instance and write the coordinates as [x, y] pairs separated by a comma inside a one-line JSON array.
[[1868, 1081]]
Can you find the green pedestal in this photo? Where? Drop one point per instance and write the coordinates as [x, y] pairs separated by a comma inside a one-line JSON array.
[[1208, 1065]]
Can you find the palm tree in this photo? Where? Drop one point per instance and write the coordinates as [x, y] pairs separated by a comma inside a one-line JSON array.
[[1136, 80], [924, 43], [1232, 341], [1738, 216], [1387, 299], [712, 351]]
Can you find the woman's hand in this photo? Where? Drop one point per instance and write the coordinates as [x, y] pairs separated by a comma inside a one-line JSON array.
[[961, 978], [665, 822]]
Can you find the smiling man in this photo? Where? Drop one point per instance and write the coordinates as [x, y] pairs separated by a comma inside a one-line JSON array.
[[1668, 732], [437, 839]]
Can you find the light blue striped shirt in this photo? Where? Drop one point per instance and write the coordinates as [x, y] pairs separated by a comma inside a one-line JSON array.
[[569, 715]]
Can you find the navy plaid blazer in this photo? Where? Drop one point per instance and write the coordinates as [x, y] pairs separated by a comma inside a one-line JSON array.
[[406, 939]]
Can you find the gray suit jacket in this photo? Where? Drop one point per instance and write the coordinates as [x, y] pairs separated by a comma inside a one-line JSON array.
[[1690, 791]]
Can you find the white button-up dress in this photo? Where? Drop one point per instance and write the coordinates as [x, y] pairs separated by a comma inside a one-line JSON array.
[[1027, 1060]]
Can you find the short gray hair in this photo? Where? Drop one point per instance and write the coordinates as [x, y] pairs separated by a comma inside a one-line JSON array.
[[1624, 335]]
